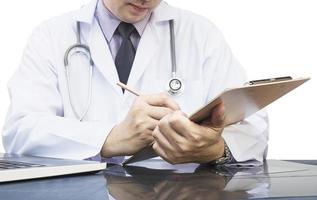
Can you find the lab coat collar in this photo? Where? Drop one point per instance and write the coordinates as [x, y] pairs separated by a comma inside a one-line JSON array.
[[163, 12], [86, 14], [146, 49]]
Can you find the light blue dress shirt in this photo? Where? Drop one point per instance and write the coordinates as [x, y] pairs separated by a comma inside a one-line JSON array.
[[109, 23]]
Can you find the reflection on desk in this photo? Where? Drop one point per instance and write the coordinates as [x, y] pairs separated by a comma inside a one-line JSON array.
[[198, 182], [159, 180], [81, 187]]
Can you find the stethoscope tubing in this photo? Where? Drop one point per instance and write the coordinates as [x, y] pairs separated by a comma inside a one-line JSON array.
[[79, 45], [173, 49]]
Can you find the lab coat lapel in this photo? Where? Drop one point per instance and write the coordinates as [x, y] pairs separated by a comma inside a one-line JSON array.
[[149, 42], [147, 47], [102, 57], [101, 54]]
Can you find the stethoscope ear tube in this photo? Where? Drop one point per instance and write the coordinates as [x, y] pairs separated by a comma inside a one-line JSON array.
[[77, 45], [86, 51], [71, 48], [174, 86], [173, 49]]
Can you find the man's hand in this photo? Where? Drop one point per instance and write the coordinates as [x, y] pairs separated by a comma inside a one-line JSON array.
[[179, 140], [135, 131]]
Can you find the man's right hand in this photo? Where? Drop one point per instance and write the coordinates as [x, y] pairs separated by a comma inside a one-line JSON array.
[[135, 131]]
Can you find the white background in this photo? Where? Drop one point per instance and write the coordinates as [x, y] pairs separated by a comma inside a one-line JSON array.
[[269, 37]]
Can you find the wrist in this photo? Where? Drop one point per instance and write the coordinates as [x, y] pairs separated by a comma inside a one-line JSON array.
[[221, 149], [109, 148], [214, 152], [225, 158]]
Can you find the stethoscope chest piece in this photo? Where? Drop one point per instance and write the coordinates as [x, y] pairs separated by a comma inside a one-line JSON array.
[[175, 86]]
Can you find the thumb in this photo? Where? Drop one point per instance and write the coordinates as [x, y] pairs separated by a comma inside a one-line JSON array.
[[218, 116]]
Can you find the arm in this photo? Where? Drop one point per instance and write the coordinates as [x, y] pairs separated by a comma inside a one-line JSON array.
[[178, 140], [246, 140], [35, 123]]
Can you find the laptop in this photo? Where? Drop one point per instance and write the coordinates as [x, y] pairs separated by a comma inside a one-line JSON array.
[[18, 167]]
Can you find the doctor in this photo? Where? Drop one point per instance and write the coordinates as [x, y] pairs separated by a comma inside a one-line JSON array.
[[65, 102]]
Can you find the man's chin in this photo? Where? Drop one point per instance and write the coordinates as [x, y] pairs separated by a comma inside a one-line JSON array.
[[133, 18]]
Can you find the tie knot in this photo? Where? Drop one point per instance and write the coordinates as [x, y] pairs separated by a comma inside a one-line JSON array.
[[125, 29]]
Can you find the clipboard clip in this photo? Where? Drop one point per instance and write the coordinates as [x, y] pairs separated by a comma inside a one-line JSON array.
[[269, 80]]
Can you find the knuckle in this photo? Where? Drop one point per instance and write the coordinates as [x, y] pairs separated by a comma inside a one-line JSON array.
[[196, 138], [199, 145], [139, 124], [154, 146], [186, 149], [198, 141], [146, 137], [155, 134], [174, 120], [161, 124]]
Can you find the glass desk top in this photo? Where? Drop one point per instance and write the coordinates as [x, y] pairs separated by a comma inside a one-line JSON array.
[[159, 180]]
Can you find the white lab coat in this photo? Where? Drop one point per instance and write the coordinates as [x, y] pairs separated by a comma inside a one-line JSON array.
[[41, 122]]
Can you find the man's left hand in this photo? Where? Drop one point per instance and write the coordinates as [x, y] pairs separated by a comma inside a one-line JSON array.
[[179, 140]]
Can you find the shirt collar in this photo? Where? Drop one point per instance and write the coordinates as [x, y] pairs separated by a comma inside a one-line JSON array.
[[110, 22]]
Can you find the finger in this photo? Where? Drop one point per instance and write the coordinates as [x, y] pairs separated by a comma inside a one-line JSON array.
[[148, 137], [158, 112], [188, 129], [162, 141], [217, 116], [180, 124], [162, 100], [170, 134], [151, 123], [160, 151]]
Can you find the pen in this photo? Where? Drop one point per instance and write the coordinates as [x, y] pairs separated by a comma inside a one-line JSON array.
[[123, 86], [269, 80]]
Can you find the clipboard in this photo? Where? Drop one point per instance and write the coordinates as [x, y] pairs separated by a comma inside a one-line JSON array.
[[239, 103]]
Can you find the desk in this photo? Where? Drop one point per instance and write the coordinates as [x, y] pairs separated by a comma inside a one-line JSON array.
[[177, 182]]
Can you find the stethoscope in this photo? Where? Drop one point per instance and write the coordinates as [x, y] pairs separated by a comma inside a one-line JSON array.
[[174, 86]]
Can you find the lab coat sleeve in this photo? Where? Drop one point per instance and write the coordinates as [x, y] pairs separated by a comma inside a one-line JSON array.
[[35, 124], [247, 140]]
